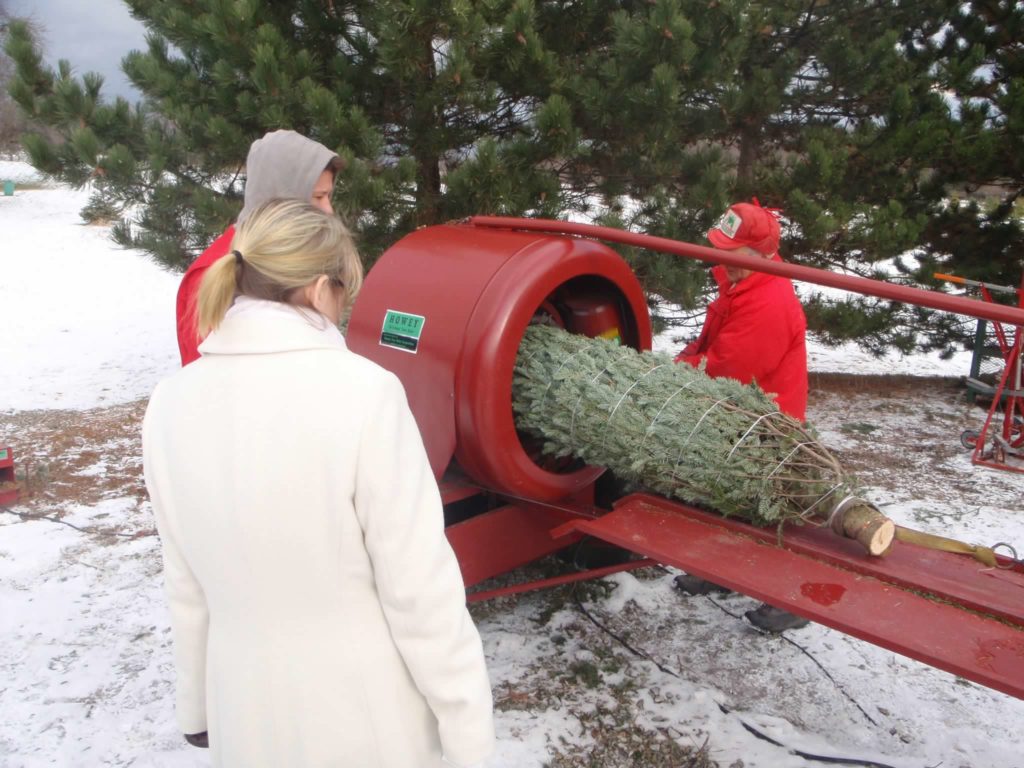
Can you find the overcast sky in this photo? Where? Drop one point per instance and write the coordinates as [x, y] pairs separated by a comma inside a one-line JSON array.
[[94, 35]]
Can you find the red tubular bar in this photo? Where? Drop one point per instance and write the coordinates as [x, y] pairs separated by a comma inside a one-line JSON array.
[[868, 287], [557, 581]]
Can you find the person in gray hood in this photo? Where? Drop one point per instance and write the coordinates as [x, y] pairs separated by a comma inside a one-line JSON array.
[[282, 164]]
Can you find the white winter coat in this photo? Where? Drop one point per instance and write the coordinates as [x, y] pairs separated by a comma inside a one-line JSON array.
[[318, 612]]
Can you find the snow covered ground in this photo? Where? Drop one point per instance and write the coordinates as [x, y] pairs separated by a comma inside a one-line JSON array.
[[86, 677], [84, 323]]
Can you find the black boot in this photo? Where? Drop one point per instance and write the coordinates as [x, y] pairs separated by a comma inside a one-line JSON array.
[[694, 585], [201, 740], [772, 619]]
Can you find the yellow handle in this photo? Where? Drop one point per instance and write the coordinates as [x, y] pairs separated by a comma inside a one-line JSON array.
[[931, 541]]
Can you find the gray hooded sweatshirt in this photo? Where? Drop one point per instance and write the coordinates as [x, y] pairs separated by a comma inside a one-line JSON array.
[[284, 164]]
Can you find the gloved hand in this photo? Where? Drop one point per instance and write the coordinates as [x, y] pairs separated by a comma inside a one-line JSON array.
[[201, 740]]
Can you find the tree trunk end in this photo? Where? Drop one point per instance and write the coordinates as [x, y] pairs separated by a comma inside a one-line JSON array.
[[866, 525]]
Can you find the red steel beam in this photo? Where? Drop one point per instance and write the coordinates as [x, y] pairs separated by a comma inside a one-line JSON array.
[[557, 581], [907, 294], [975, 630]]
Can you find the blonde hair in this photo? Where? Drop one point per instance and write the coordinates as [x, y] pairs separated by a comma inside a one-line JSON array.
[[284, 245]]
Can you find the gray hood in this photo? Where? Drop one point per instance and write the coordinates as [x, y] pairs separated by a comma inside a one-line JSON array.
[[284, 164]]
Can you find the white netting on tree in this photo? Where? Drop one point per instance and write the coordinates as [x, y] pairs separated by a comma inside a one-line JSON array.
[[672, 429]]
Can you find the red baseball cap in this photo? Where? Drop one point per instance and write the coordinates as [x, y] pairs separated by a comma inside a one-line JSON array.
[[747, 224]]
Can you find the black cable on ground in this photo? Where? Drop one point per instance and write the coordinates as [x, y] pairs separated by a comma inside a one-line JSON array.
[[810, 656], [803, 650], [725, 710]]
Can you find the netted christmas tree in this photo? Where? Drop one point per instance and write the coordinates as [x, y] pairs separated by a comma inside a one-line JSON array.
[[672, 429]]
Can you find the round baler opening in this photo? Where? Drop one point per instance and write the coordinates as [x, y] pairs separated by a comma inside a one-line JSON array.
[[578, 283], [592, 306]]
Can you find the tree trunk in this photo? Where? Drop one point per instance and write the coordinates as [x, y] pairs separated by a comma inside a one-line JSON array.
[[750, 145], [427, 125]]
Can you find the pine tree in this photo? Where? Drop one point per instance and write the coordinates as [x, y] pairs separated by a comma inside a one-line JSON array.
[[12, 122], [980, 233], [954, 180], [439, 110], [648, 114], [826, 111], [644, 101]]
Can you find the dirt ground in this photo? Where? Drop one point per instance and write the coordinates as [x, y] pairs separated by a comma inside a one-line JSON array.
[[64, 458]]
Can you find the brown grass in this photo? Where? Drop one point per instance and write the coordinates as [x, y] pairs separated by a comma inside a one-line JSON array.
[[77, 456]]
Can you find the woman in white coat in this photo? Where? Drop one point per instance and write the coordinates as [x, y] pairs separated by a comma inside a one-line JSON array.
[[318, 612]]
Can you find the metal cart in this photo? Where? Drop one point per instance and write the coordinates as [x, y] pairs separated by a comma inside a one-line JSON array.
[[1000, 442]]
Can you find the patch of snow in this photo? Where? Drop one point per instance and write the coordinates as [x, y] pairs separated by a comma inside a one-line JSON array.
[[849, 358], [85, 323], [96, 470], [85, 658], [19, 172], [852, 359]]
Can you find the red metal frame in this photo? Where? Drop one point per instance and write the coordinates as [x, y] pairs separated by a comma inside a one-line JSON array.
[[503, 539], [1007, 449], [9, 495], [864, 285], [1008, 445], [943, 609], [558, 581]]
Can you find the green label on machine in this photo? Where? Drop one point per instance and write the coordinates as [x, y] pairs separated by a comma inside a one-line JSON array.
[[402, 330], [3, 454]]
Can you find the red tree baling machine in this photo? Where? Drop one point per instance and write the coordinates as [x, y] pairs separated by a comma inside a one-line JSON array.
[[445, 309]]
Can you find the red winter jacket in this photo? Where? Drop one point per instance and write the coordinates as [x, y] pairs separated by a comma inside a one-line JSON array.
[[188, 333], [754, 331]]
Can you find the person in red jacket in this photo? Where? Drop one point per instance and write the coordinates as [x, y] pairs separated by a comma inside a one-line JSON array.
[[282, 164], [753, 332]]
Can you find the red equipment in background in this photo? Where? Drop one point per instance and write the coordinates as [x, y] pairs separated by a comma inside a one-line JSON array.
[[9, 487], [1007, 449], [445, 309]]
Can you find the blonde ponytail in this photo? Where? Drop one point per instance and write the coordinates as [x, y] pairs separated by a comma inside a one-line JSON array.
[[284, 245], [216, 293]]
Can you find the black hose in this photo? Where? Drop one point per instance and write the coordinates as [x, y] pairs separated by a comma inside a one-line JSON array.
[[725, 710]]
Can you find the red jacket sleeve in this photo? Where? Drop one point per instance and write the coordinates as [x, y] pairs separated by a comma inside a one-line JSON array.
[[690, 352], [751, 340], [188, 334], [185, 307]]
